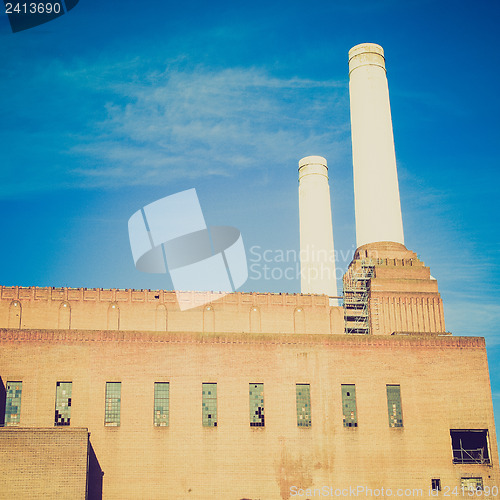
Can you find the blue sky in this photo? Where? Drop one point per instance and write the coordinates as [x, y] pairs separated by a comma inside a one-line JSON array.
[[117, 104]]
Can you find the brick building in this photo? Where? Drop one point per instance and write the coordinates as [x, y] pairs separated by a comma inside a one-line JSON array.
[[122, 394], [257, 396]]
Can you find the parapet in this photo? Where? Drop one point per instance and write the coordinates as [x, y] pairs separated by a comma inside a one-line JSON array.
[[158, 310]]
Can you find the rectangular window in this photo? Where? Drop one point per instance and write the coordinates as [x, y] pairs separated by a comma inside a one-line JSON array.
[[113, 404], [63, 403], [13, 403], [394, 406], [471, 484], [470, 446], [209, 405], [161, 404], [256, 405], [436, 484], [349, 405], [303, 396]]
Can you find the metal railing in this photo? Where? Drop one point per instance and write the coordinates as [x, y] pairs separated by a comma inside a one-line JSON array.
[[476, 456]]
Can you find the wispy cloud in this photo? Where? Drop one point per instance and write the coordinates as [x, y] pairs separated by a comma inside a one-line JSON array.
[[202, 122], [144, 122]]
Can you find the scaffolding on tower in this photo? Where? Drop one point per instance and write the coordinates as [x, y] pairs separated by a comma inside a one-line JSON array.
[[356, 288]]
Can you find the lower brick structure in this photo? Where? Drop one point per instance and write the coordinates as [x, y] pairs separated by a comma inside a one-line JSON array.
[[443, 386], [41, 463]]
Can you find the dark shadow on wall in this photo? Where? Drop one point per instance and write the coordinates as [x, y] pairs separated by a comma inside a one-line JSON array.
[[94, 478], [3, 396]]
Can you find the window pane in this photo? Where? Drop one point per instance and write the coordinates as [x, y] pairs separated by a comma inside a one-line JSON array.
[[303, 397], [349, 405], [209, 405], [13, 403], [113, 403], [161, 404], [471, 484], [256, 405], [63, 403], [394, 406], [436, 484]]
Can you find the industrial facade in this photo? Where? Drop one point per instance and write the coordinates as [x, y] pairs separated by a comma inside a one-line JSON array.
[[124, 394]]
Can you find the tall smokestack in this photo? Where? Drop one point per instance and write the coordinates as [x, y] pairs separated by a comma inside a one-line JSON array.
[[376, 190], [317, 257]]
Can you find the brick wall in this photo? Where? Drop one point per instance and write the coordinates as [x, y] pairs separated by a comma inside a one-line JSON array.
[[444, 385], [43, 463]]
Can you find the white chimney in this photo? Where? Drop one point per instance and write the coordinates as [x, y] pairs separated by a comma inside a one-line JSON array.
[[376, 190], [317, 256]]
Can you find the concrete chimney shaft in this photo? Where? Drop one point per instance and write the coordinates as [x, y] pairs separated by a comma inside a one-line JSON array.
[[376, 190], [317, 257]]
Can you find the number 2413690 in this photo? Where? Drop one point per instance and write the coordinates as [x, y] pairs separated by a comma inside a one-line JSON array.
[[485, 491], [32, 8]]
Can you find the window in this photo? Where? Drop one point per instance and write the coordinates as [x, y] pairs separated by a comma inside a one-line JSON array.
[[161, 404], [470, 446], [63, 403], [471, 484], [209, 405], [13, 403], [436, 484], [303, 396], [349, 405], [113, 403], [256, 405], [394, 406]]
